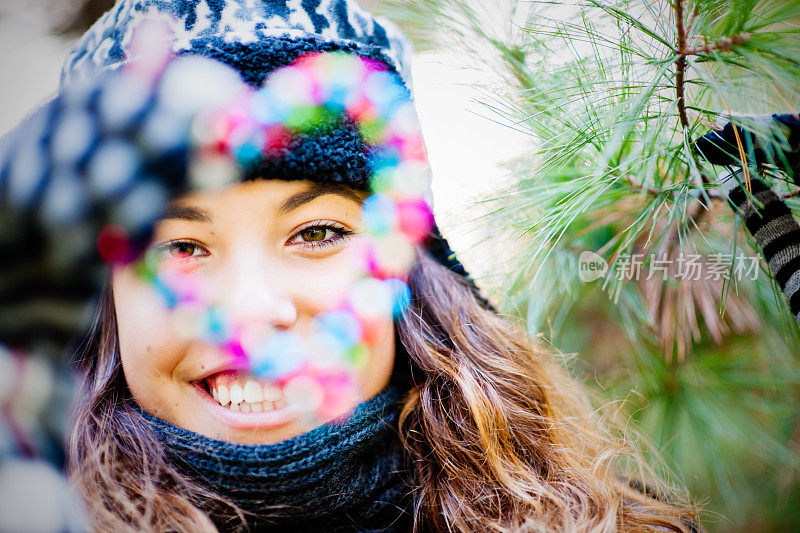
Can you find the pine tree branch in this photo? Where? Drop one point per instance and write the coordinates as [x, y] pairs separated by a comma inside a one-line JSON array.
[[680, 64], [695, 215], [641, 186], [723, 45], [680, 67]]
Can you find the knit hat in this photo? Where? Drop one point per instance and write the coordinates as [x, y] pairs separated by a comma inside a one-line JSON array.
[[253, 37], [49, 246]]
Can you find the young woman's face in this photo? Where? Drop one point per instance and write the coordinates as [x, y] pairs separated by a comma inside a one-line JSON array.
[[273, 254]]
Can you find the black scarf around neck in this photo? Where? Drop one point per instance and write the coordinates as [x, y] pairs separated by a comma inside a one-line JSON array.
[[348, 476]]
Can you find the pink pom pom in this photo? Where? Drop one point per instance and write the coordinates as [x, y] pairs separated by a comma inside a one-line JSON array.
[[188, 289], [235, 349], [371, 330], [373, 65], [113, 244], [340, 396], [308, 60], [361, 110], [414, 148], [150, 48], [415, 219], [276, 139], [389, 257]]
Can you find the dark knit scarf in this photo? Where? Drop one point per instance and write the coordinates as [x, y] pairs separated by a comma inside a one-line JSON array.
[[349, 476]]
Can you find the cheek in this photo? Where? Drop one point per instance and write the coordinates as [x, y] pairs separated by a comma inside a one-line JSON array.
[[149, 347], [375, 374], [324, 285]]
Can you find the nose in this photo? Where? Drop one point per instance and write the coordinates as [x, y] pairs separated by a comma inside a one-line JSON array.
[[255, 292]]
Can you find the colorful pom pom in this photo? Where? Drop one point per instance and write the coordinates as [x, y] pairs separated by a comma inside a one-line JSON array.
[[232, 128]]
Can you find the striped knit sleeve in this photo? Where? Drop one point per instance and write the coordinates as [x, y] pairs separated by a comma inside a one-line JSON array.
[[775, 230]]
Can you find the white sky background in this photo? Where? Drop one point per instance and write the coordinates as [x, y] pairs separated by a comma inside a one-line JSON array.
[[466, 150]]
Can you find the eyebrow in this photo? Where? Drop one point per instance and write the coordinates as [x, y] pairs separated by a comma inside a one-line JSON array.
[[315, 191], [179, 211]]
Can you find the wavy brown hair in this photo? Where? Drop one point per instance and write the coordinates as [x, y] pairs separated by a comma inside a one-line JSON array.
[[502, 438]]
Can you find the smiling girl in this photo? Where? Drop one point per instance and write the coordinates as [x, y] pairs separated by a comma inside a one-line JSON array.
[[278, 254], [274, 255]]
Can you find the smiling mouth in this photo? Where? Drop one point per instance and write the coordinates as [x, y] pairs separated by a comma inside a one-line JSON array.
[[243, 392]]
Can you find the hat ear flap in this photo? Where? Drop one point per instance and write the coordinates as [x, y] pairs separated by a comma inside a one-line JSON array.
[[440, 250]]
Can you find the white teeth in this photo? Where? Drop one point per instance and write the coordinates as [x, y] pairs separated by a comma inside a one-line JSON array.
[[271, 393], [253, 397], [237, 393], [252, 392], [223, 395]]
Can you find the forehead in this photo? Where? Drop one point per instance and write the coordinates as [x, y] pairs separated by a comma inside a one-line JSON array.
[[279, 196]]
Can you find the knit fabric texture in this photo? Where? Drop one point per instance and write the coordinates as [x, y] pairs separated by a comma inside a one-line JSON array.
[[329, 154], [255, 39], [341, 476], [240, 22], [772, 140], [767, 139], [776, 232]]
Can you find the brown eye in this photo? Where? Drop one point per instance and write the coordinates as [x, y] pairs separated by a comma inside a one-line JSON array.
[[314, 234], [319, 236], [183, 249]]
